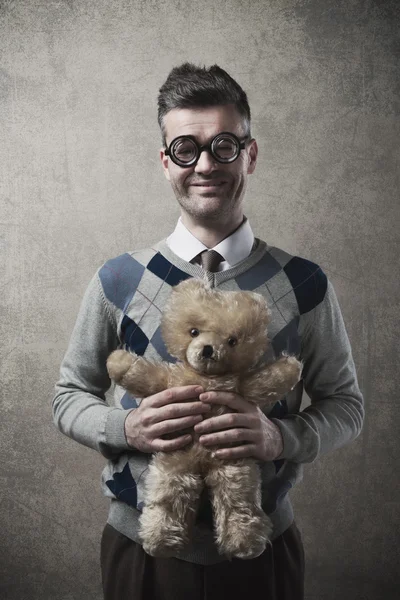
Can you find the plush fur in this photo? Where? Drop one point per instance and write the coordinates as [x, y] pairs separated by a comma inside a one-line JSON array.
[[219, 339]]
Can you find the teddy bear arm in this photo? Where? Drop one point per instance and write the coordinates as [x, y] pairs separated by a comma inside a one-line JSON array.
[[139, 376], [151, 378], [273, 381]]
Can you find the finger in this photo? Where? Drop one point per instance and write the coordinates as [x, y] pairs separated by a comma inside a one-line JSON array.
[[160, 445], [174, 425], [227, 437], [227, 421], [176, 411], [244, 451], [175, 394], [234, 401]]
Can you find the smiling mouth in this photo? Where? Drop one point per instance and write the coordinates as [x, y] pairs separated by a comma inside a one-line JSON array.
[[209, 184]]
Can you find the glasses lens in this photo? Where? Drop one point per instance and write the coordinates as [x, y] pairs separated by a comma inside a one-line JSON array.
[[226, 148], [184, 150]]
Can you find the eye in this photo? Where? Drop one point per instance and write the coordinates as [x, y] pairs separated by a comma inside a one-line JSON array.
[[194, 332], [232, 341]]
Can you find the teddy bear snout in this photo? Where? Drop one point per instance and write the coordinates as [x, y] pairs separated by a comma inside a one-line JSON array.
[[206, 354], [208, 351]]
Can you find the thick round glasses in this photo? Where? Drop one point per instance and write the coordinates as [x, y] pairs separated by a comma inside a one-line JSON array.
[[224, 148]]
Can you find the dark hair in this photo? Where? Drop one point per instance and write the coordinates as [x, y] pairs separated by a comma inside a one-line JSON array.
[[189, 86]]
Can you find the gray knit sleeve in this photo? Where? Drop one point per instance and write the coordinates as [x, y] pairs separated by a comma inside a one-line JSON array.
[[80, 409], [336, 413]]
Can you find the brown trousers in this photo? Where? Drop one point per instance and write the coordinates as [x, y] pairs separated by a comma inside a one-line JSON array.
[[128, 573]]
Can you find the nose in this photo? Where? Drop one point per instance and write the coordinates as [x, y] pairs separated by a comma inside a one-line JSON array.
[[207, 352], [206, 163]]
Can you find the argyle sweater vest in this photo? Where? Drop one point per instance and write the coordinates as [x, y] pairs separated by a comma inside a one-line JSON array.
[[123, 307]]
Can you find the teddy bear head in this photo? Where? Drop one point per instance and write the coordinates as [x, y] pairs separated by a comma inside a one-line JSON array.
[[215, 332]]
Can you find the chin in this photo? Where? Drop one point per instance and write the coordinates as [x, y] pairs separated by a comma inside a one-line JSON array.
[[207, 207], [206, 367], [207, 196]]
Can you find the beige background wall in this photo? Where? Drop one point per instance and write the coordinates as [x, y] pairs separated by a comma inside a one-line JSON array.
[[80, 181]]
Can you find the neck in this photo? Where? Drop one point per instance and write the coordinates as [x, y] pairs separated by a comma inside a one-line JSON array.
[[210, 233]]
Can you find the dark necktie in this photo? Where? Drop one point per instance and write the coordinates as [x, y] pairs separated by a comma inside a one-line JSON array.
[[209, 260]]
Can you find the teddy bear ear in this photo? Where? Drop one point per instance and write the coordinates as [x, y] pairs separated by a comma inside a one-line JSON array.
[[187, 291], [258, 302], [190, 286]]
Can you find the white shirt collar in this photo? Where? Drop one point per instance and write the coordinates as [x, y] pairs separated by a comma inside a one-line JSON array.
[[235, 248]]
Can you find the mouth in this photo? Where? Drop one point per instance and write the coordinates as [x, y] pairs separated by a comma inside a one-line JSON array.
[[208, 185], [202, 364], [208, 366]]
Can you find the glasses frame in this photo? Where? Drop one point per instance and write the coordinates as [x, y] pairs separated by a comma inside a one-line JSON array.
[[241, 144]]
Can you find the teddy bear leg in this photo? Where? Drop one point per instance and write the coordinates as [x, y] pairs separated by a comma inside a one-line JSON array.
[[241, 526], [171, 499]]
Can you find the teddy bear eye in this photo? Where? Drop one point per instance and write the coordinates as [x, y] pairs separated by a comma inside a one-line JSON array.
[[232, 341], [194, 332]]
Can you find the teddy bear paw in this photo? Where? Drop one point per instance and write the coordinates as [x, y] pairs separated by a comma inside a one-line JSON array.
[[161, 548], [246, 538], [160, 534], [118, 364], [292, 369]]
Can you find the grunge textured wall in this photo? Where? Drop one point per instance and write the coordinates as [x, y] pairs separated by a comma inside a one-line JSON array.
[[80, 182]]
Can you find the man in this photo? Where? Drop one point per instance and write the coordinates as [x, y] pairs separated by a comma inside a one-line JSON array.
[[207, 155]]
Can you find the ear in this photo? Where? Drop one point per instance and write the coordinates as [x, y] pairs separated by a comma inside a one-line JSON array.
[[190, 286], [252, 152], [187, 292], [165, 163], [262, 303], [256, 302]]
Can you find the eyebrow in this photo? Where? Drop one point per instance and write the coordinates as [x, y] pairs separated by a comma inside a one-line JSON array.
[[196, 139]]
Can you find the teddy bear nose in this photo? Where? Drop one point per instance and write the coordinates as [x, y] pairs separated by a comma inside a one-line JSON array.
[[207, 351]]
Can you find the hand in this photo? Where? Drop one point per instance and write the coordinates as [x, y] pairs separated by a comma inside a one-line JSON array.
[[260, 437], [166, 412]]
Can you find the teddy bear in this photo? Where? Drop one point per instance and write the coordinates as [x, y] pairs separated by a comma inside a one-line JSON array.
[[219, 339]]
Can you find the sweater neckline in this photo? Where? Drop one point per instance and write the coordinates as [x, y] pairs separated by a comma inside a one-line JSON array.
[[220, 276]]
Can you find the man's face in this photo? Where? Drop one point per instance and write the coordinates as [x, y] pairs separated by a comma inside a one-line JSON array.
[[209, 191]]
